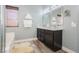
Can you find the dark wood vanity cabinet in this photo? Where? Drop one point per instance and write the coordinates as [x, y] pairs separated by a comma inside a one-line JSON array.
[[52, 39], [40, 35]]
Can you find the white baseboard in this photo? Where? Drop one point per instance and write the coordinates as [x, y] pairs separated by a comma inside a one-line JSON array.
[[25, 40], [68, 50]]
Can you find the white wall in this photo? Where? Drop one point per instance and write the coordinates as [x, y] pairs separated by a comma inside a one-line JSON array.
[[2, 29], [24, 33], [70, 37]]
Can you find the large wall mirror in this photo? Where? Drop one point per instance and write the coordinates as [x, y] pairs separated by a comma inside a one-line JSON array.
[[52, 16]]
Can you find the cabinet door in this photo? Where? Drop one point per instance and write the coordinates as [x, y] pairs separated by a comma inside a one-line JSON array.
[[49, 39], [57, 40], [40, 35]]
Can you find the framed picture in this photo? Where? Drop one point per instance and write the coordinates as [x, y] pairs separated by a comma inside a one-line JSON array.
[[11, 16], [27, 23]]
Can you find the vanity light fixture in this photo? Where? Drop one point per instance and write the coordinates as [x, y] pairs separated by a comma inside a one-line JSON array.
[[47, 10]]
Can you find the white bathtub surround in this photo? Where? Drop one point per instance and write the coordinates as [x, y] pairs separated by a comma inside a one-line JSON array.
[[9, 40]]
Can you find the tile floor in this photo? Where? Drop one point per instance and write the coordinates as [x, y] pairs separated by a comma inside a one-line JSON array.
[[37, 47]]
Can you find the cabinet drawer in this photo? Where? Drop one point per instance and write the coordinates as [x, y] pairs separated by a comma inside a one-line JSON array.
[[48, 32]]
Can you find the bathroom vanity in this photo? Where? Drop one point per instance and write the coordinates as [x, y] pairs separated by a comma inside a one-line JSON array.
[[52, 38]]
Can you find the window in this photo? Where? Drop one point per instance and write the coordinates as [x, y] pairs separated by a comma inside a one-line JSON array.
[[11, 16]]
